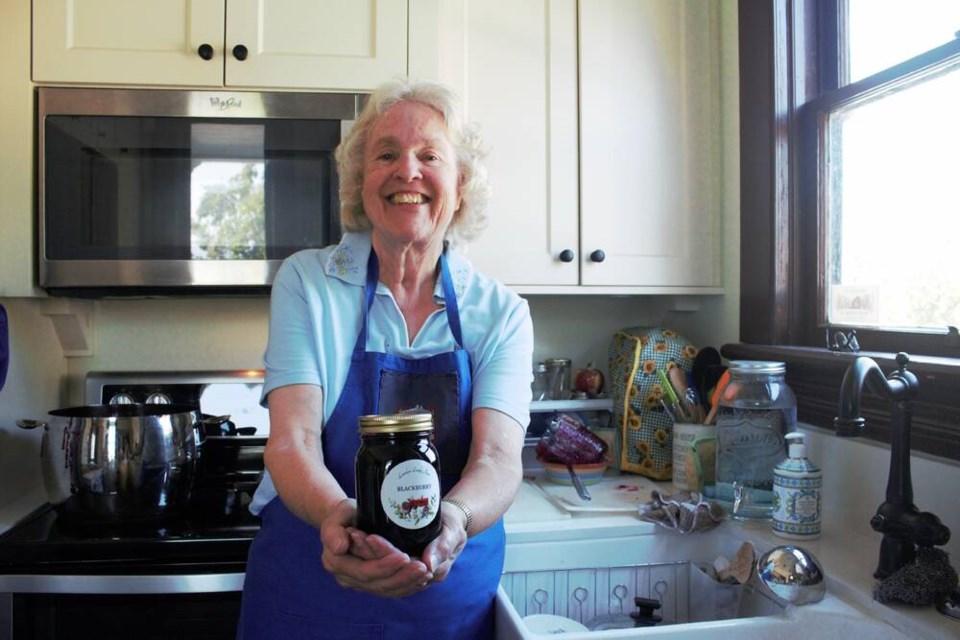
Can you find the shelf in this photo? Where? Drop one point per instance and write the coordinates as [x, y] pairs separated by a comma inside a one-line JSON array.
[[549, 406]]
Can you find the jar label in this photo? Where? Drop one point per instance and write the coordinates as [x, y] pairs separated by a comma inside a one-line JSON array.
[[410, 494]]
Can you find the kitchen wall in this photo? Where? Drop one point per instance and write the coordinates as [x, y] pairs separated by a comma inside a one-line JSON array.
[[35, 384]]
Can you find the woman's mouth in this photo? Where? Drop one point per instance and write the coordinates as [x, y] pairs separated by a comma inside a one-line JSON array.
[[407, 198]]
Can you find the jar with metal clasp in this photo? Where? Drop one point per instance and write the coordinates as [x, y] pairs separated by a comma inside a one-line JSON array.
[[398, 480], [756, 411]]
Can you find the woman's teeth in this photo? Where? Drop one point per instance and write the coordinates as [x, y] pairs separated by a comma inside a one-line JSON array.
[[407, 198]]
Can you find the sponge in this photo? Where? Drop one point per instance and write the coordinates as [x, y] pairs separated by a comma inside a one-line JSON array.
[[921, 582]]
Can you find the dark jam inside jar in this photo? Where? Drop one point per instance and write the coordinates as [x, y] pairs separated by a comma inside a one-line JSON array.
[[398, 480]]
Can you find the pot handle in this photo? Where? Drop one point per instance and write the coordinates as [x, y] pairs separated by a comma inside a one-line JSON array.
[[25, 423]]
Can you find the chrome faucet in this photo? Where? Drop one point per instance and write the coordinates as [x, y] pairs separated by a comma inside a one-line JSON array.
[[903, 526]]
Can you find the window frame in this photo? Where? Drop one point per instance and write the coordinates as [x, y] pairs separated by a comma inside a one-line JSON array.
[[784, 88]]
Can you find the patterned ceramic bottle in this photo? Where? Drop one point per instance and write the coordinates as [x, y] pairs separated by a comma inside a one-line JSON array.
[[796, 493]]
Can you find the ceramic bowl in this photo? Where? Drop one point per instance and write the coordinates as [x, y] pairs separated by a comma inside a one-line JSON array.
[[589, 473]]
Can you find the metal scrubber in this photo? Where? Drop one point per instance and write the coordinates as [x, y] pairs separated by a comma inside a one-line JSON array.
[[922, 582]]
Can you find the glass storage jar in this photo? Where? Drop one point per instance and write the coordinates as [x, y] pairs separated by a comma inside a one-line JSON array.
[[398, 480], [558, 378], [756, 410]]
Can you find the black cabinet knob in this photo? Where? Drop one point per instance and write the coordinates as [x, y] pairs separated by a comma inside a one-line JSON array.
[[566, 255], [240, 52], [598, 256], [205, 51]]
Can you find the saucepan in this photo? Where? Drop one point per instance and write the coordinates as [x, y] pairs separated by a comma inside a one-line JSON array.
[[122, 463]]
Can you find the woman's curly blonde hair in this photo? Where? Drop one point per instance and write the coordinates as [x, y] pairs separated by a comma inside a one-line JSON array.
[[471, 218]]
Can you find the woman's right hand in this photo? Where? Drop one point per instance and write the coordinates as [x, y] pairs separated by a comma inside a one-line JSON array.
[[365, 562]]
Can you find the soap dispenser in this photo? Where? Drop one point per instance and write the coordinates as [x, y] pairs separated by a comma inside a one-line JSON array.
[[796, 493]]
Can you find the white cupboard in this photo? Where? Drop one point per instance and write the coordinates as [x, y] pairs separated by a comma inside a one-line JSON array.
[[650, 127], [517, 73], [342, 45], [603, 122]]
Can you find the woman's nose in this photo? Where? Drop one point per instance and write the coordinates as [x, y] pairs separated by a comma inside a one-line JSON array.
[[408, 167]]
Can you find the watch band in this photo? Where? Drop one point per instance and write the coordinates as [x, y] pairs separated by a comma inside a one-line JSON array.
[[463, 507]]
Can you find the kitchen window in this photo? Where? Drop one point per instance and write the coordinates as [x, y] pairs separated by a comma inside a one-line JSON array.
[[849, 200]]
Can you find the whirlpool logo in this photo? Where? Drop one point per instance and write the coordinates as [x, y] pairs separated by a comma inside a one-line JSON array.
[[225, 104]]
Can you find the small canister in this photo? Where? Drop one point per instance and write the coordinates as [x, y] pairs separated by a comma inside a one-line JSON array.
[[398, 480], [558, 378]]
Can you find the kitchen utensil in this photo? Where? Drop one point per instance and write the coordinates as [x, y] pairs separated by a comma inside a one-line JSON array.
[[705, 372], [742, 566], [792, 575], [54, 467], [715, 397], [125, 462]]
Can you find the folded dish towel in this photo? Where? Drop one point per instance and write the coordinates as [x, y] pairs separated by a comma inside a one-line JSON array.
[[686, 511]]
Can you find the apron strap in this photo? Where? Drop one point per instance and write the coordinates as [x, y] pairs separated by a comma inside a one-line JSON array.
[[451, 307]]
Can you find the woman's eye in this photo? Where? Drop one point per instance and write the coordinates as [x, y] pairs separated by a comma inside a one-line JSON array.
[[386, 155]]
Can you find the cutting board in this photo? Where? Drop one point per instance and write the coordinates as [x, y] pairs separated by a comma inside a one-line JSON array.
[[532, 505], [617, 493]]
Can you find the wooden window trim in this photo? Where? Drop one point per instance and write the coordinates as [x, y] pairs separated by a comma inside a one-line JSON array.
[[780, 277]]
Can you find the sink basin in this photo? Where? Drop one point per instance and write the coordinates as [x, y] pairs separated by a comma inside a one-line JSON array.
[[593, 575]]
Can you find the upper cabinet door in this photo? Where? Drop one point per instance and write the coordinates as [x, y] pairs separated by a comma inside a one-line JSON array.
[[650, 142], [350, 45], [515, 65], [128, 42]]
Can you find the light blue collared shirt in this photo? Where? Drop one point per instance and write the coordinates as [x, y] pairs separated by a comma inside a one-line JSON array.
[[316, 312]]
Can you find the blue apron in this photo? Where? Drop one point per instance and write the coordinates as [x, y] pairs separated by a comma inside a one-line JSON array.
[[287, 593]]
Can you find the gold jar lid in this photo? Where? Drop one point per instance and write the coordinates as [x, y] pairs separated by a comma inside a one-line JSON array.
[[396, 423]]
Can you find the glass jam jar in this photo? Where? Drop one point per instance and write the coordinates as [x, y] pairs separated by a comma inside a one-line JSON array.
[[756, 410], [398, 480]]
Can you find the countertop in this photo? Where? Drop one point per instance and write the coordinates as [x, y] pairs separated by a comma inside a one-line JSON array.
[[848, 552]]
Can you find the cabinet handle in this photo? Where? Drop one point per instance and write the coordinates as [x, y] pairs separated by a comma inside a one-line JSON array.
[[205, 51], [566, 255], [240, 52], [598, 256]]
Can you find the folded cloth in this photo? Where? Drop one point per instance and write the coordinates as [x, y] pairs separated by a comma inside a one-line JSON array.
[[686, 511]]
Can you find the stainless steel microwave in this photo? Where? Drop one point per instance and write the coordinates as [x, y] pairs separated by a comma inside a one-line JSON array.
[[156, 191]]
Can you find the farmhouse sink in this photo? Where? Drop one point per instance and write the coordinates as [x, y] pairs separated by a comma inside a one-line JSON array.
[[568, 558], [595, 579]]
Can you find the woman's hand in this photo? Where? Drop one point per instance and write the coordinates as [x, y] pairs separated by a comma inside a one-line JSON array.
[[440, 554], [367, 562]]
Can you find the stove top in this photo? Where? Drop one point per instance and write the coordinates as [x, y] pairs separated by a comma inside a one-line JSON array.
[[201, 540], [211, 535]]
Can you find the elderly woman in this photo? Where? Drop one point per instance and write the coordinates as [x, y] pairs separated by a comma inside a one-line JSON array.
[[393, 306]]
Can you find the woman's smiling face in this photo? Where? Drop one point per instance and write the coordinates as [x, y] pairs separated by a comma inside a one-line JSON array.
[[411, 182]]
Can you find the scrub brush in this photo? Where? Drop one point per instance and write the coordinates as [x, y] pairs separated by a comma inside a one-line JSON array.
[[922, 582]]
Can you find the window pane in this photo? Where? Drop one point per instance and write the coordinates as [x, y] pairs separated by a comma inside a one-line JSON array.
[[882, 33], [893, 206]]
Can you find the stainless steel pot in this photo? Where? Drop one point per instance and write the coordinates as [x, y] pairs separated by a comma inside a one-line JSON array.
[[125, 462]]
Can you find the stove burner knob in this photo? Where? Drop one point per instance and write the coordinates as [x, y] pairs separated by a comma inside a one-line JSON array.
[[158, 398], [122, 398]]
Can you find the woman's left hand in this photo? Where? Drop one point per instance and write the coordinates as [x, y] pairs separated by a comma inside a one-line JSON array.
[[440, 554]]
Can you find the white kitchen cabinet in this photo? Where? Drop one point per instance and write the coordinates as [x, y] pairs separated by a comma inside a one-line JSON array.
[[514, 63], [650, 126], [602, 118], [347, 45]]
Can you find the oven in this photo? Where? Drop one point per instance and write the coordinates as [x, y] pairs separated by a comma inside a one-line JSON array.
[[180, 576]]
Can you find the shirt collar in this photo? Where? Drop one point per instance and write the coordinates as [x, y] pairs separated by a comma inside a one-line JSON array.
[[348, 262]]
